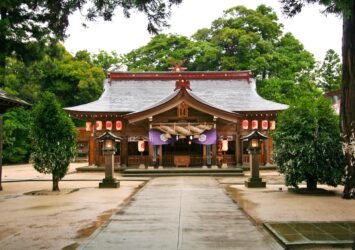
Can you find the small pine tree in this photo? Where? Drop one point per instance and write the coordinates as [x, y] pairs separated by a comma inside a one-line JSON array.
[[53, 134], [308, 144]]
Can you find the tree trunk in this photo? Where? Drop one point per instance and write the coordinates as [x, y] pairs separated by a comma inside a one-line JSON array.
[[312, 183], [55, 184], [348, 100]]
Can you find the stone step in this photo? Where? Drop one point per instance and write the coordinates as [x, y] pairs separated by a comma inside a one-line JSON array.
[[179, 174], [181, 170]]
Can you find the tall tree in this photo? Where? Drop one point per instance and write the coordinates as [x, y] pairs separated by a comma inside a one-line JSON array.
[[346, 8], [53, 134], [28, 25], [329, 72], [242, 39]]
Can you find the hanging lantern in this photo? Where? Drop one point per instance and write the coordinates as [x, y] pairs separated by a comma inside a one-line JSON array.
[[118, 125], [108, 125], [264, 124], [141, 146], [245, 124], [98, 125], [88, 126], [224, 145], [272, 125], [254, 124]]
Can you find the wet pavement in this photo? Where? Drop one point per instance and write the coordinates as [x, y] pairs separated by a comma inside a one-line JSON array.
[[181, 213]]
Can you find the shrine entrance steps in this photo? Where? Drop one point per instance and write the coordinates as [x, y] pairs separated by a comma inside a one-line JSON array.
[[156, 172]]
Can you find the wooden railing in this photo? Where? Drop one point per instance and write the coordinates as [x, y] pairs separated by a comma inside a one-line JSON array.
[[138, 159], [229, 159]]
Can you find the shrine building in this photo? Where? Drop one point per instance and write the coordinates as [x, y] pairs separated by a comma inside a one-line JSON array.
[[177, 118]]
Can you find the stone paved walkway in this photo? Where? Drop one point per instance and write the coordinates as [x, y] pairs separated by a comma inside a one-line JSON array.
[[187, 213]]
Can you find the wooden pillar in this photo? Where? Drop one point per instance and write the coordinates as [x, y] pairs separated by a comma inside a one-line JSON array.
[[214, 155], [204, 156], [160, 156], [151, 155], [91, 155], [124, 151], [265, 151], [97, 152], [238, 151]]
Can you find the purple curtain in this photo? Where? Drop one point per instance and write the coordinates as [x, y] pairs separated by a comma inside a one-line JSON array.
[[156, 137], [208, 137]]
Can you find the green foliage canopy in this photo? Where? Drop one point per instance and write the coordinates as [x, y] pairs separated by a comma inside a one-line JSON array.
[[53, 134], [74, 80], [17, 143], [329, 72], [242, 39], [307, 143]]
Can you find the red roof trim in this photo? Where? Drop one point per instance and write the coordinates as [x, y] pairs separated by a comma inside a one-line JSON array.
[[186, 75]]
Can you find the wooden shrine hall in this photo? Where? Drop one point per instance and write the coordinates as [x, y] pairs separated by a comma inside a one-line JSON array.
[[177, 118]]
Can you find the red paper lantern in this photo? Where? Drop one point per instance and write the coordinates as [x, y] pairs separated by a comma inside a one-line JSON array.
[[88, 126], [98, 125], [264, 124], [245, 124], [118, 125], [254, 124], [272, 125], [141, 146], [108, 125]]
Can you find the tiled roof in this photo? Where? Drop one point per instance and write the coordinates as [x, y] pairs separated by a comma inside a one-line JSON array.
[[10, 100], [136, 95]]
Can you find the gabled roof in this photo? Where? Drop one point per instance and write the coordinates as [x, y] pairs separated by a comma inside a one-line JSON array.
[[173, 100], [126, 96]]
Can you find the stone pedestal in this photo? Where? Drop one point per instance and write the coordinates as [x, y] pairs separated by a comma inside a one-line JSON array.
[[224, 165], [109, 181], [254, 181]]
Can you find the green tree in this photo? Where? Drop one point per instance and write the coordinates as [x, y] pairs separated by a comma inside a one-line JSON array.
[[164, 50], [53, 134], [241, 39], [27, 26], [346, 8], [74, 80], [307, 144], [329, 72], [17, 142], [106, 60]]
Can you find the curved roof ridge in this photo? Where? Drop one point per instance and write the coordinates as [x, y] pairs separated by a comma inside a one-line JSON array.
[[128, 96]]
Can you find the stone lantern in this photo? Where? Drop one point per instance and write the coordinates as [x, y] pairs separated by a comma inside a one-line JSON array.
[[108, 140], [254, 140]]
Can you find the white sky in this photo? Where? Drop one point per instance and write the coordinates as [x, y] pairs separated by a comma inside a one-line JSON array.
[[317, 32]]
